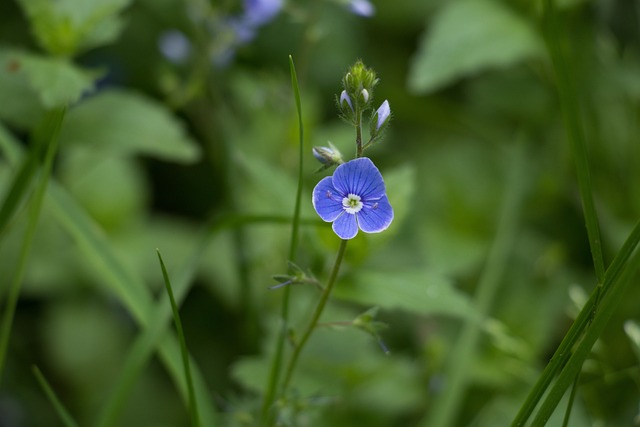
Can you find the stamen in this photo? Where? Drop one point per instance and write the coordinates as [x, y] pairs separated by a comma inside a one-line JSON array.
[[352, 203]]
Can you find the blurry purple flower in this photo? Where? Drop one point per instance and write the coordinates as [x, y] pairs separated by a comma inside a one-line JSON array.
[[259, 12], [383, 114], [174, 46], [354, 197], [242, 30], [362, 8]]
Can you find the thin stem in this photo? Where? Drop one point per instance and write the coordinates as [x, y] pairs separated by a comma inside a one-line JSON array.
[[64, 415], [316, 316], [193, 402], [575, 333], [276, 365], [572, 398], [49, 132], [359, 146], [575, 133]]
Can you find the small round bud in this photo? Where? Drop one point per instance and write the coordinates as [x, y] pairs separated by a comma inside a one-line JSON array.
[[365, 95]]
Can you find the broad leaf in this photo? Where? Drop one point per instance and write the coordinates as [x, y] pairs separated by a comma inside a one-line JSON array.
[[469, 36], [415, 291], [119, 121], [33, 83], [66, 27]]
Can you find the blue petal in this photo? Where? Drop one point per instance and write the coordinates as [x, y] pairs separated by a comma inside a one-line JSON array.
[[326, 200], [360, 177], [346, 226], [375, 217]]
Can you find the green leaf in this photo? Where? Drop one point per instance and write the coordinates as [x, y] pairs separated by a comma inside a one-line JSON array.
[[35, 83], [111, 188], [125, 122], [66, 27], [416, 291], [467, 37]]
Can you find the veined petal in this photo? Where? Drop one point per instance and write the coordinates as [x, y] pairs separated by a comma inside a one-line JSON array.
[[326, 200], [346, 226], [361, 177], [376, 217]]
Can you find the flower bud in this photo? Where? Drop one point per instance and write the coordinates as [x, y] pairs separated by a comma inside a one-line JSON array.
[[365, 95], [382, 115], [345, 100], [328, 156], [358, 78]]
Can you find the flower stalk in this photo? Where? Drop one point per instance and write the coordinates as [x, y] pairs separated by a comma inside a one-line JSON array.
[[354, 198], [316, 316]]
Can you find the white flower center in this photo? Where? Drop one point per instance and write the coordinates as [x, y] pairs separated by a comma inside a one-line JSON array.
[[352, 203]]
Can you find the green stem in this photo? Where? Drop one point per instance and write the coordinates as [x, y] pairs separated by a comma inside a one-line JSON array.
[[276, 365], [575, 133], [359, 146], [575, 333], [572, 398], [193, 402], [49, 130], [64, 415], [316, 316]]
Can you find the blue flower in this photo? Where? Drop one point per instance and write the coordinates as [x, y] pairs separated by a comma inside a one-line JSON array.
[[354, 197]]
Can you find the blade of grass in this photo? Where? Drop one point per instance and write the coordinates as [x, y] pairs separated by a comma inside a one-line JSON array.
[[89, 236], [570, 108], [24, 176], [129, 288], [62, 412], [147, 340], [193, 403], [609, 303], [446, 404], [575, 133], [48, 132], [562, 354], [572, 398], [276, 365]]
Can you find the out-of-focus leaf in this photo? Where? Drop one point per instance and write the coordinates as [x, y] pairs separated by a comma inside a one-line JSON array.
[[66, 27], [25, 107], [111, 188], [119, 121], [34, 83], [414, 291], [469, 36], [80, 337]]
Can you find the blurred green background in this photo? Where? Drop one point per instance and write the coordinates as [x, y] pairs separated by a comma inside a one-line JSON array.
[[182, 135]]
